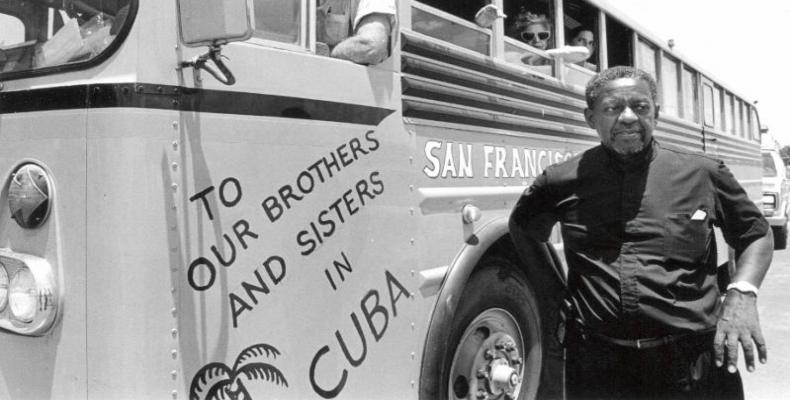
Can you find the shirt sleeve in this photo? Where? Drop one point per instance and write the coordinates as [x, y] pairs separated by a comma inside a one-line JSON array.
[[534, 213], [741, 221], [368, 7]]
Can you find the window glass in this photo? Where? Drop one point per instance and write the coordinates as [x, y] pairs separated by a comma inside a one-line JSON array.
[[744, 118], [581, 29], [728, 119], [717, 105], [690, 99], [646, 57], [34, 35], [710, 105], [281, 21], [769, 168], [669, 86], [449, 28], [619, 43], [755, 124], [736, 114]]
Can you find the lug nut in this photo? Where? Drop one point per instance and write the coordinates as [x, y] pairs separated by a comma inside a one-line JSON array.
[[510, 346], [489, 355], [509, 396], [482, 395], [482, 374], [516, 360], [500, 346]]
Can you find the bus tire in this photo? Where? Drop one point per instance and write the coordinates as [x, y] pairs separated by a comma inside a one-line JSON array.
[[780, 237], [495, 339]]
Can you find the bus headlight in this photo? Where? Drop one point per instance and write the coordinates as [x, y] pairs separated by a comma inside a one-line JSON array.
[[23, 298], [33, 296], [3, 287], [29, 196]]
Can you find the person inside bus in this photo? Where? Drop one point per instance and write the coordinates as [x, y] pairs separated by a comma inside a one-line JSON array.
[[645, 315], [356, 30], [534, 30], [584, 37]]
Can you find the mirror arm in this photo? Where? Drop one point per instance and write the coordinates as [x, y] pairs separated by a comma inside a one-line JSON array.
[[215, 55]]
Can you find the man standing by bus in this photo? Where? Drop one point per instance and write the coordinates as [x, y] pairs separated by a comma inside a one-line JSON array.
[[647, 319]]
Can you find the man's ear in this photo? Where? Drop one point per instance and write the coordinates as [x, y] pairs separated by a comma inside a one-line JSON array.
[[589, 116]]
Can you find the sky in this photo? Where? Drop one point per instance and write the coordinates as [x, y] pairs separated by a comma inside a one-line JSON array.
[[737, 42]]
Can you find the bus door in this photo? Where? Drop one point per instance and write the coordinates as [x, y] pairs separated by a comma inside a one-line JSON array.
[[297, 237]]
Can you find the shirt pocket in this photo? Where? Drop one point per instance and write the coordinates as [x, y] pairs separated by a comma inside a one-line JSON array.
[[686, 239]]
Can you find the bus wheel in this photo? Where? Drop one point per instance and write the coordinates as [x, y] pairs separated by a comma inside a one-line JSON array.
[[495, 338]]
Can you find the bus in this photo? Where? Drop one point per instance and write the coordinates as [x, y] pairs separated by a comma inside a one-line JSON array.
[[198, 203]]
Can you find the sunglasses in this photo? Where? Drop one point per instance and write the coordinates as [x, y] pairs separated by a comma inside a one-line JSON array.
[[529, 36]]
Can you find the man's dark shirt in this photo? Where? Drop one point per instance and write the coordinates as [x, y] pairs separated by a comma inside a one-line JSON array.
[[638, 236]]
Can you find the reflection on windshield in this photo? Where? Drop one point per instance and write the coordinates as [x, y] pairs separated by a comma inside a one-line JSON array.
[[769, 169], [38, 33]]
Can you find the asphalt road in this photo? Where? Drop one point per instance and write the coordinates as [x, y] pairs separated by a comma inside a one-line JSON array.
[[772, 380]]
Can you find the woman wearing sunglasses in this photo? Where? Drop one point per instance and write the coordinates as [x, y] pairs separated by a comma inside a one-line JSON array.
[[534, 30]]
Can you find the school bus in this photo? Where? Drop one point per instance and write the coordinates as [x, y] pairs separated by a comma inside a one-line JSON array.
[[198, 203]]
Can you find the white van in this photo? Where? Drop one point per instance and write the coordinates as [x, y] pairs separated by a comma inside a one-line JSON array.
[[776, 192]]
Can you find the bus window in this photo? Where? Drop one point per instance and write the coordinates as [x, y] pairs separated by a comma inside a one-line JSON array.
[[35, 36], [737, 128], [619, 43], [581, 29], [708, 98], [439, 20], [530, 32], [728, 118], [279, 20], [744, 125], [646, 57], [717, 112], [669, 86], [690, 97], [755, 124]]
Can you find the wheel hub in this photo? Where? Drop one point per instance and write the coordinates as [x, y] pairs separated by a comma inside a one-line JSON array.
[[488, 364]]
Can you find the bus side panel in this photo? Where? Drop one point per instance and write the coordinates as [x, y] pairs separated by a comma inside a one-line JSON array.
[[282, 285], [52, 365], [297, 236], [131, 342]]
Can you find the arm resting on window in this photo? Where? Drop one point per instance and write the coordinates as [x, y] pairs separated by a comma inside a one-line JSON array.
[[370, 43]]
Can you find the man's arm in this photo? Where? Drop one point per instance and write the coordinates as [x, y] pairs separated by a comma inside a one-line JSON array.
[[370, 44], [738, 319]]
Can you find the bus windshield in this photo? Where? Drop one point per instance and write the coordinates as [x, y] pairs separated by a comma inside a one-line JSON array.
[[37, 34]]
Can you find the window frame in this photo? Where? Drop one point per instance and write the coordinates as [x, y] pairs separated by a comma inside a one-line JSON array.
[[100, 58]]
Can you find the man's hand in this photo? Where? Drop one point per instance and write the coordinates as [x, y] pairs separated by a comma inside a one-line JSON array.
[[738, 322]]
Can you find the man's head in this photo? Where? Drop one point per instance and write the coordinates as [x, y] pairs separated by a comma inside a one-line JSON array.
[[621, 107]]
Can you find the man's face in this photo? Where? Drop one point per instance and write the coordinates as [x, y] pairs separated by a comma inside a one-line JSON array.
[[624, 115]]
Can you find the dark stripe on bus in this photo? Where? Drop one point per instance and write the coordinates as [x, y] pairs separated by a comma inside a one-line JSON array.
[[140, 95]]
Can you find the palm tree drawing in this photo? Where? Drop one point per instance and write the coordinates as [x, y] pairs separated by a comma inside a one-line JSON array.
[[216, 381]]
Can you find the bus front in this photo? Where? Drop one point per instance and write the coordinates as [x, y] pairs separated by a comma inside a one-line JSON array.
[[53, 56]]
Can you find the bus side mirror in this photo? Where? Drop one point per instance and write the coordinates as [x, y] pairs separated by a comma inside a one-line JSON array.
[[213, 23]]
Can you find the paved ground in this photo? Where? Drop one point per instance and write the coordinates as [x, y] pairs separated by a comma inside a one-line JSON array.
[[772, 380]]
